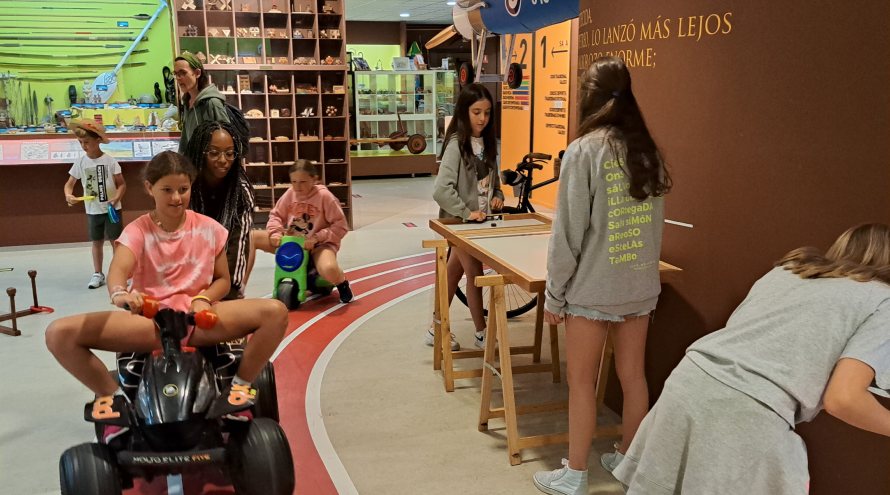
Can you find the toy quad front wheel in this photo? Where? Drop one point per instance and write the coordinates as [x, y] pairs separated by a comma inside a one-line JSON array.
[[89, 468], [260, 459], [288, 293]]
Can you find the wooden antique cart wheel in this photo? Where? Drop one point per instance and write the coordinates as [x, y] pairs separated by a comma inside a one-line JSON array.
[[416, 143]]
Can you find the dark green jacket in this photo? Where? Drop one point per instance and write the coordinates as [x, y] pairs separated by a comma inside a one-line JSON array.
[[209, 106]]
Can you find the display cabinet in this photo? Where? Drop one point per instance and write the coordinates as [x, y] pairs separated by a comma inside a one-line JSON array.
[[391, 106], [446, 93], [283, 64]]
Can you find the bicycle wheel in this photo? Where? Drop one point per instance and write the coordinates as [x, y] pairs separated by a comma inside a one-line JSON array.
[[518, 300]]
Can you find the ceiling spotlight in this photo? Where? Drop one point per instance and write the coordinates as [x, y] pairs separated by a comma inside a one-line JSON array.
[[404, 14]]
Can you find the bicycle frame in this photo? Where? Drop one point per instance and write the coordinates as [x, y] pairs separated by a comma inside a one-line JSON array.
[[524, 180]]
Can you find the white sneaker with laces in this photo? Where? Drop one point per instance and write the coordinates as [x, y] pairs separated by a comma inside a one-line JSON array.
[[611, 460], [96, 281], [563, 481], [480, 339], [430, 338]]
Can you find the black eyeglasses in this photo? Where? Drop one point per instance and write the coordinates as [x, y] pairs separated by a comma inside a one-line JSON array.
[[215, 154]]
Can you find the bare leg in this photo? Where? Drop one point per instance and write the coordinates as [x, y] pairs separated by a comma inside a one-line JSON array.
[[454, 270], [325, 260], [630, 354], [266, 319], [472, 269], [98, 255], [70, 340], [584, 347]]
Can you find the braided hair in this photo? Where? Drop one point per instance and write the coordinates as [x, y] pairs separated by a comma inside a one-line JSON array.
[[237, 197]]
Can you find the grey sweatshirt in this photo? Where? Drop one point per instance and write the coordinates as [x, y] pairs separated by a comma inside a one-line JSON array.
[[605, 244], [456, 189]]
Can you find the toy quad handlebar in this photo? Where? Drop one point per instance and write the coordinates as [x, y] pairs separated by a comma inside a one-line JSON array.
[[203, 319]]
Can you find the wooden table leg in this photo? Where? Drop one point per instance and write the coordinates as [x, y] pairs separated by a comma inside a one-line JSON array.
[[488, 370], [506, 375], [539, 328]]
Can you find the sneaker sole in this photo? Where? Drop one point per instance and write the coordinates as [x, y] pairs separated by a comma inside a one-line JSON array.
[[547, 489]]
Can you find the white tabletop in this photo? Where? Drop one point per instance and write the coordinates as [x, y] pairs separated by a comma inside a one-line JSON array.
[[494, 225], [525, 252]]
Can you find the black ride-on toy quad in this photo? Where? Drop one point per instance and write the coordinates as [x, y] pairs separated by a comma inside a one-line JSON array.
[[170, 428]]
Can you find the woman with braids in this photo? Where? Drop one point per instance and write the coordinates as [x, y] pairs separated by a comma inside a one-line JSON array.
[[812, 334], [223, 192]]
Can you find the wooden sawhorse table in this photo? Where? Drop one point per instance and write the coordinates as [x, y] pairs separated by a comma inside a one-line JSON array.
[[516, 248]]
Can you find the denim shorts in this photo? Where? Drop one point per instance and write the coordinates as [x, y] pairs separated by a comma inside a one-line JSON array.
[[592, 314]]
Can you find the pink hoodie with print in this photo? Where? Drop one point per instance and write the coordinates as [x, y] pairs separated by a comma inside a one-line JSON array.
[[317, 215]]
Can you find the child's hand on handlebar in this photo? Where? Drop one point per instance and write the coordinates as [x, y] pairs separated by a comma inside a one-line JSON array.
[[309, 243], [199, 305], [132, 301], [275, 239], [476, 216]]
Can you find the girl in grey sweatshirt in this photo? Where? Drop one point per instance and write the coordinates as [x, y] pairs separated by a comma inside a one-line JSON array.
[[602, 266], [468, 187]]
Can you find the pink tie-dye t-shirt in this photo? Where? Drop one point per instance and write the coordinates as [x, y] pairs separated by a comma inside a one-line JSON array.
[[174, 266]]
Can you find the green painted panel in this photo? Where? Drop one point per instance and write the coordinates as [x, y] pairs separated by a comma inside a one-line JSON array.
[[41, 64]]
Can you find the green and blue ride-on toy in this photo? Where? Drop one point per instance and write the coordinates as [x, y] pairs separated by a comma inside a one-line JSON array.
[[295, 273]]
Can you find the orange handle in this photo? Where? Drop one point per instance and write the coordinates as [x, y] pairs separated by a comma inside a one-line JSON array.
[[150, 307], [206, 319]]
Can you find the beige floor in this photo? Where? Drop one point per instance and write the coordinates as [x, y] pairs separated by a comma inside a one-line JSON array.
[[392, 424]]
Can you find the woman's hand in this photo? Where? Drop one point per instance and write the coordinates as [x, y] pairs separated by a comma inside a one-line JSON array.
[[497, 203], [552, 318], [476, 216]]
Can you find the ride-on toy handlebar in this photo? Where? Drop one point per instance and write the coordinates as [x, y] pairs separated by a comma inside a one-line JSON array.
[[205, 319]]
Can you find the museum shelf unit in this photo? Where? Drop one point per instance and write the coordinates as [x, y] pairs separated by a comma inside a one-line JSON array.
[[283, 64]]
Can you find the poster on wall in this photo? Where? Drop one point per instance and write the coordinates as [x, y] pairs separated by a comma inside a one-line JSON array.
[[516, 105], [551, 98]]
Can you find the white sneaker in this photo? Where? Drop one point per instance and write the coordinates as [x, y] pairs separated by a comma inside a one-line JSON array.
[[430, 338], [480, 339], [96, 281], [563, 481], [611, 460]]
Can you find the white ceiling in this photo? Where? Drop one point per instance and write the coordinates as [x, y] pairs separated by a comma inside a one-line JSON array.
[[422, 11]]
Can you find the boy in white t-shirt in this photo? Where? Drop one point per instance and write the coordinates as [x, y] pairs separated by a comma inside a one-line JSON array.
[[103, 185]]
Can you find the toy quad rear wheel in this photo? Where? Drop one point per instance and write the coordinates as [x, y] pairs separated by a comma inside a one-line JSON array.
[[260, 459], [89, 468], [289, 294]]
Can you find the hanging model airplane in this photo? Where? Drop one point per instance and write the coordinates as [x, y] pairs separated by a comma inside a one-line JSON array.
[[476, 20]]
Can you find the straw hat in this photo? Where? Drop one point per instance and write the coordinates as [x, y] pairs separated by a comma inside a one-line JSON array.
[[90, 125]]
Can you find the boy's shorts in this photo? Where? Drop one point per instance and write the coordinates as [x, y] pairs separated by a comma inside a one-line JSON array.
[[101, 228]]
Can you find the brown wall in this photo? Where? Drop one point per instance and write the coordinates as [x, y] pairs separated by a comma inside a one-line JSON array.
[[373, 33], [33, 208], [776, 133]]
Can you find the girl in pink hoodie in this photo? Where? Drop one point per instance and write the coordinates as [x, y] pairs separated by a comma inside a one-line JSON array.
[[310, 210]]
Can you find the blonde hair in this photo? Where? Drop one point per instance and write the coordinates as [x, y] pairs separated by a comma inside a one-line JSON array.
[[862, 253]]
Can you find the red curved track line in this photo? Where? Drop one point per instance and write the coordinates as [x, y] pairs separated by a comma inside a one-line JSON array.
[[293, 367]]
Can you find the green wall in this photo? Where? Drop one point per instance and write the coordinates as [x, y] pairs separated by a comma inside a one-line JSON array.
[[50, 68], [373, 53]]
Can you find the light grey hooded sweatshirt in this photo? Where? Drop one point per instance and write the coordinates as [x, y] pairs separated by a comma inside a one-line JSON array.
[[456, 189], [605, 244]]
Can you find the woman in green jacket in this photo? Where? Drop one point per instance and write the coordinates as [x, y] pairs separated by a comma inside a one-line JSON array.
[[201, 101]]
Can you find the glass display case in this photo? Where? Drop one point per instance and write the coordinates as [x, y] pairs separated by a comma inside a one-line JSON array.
[[447, 88], [392, 106]]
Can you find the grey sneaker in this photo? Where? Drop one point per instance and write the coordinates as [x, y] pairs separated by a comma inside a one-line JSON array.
[[561, 481], [430, 338], [611, 460], [96, 281]]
